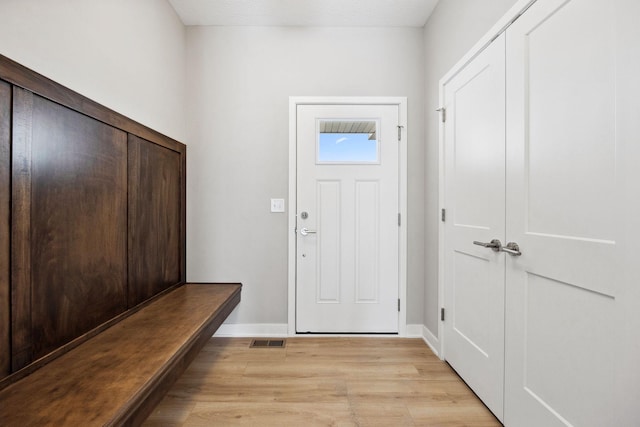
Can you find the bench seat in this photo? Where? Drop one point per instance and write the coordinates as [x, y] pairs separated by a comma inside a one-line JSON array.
[[119, 375]]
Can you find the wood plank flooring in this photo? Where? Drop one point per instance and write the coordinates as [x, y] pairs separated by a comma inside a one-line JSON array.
[[320, 382]]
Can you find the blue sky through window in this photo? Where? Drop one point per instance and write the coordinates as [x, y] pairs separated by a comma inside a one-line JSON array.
[[347, 147]]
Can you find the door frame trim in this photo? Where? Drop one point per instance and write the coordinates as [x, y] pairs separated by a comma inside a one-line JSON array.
[[401, 102]]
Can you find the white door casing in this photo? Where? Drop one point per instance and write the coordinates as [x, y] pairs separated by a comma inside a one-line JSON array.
[[474, 185], [350, 274]]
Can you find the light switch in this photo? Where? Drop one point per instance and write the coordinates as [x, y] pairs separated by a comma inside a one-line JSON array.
[[277, 205]]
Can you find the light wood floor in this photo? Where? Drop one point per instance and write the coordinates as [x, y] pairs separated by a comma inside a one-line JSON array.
[[323, 382]]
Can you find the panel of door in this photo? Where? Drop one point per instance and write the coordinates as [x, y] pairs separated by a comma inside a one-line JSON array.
[[475, 199], [568, 164], [347, 219]]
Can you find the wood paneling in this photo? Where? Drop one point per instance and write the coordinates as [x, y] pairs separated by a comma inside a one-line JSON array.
[[72, 170], [65, 228], [21, 342], [155, 219], [5, 231], [183, 213]]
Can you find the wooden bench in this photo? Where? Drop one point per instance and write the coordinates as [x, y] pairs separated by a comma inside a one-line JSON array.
[[118, 376]]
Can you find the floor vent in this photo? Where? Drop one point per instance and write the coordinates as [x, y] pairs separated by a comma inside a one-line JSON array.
[[262, 343]]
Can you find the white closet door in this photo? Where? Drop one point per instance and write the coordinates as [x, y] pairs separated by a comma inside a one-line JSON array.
[[475, 190], [573, 169]]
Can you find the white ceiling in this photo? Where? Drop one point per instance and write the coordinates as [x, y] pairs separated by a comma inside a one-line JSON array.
[[323, 13]]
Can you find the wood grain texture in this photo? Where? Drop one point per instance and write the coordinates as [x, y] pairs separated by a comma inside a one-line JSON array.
[[320, 381], [115, 377], [5, 229], [34, 366], [183, 214], [78, 224], [21, 340], [155, 219]]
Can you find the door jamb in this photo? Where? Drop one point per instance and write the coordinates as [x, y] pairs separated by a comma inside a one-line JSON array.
[[401, 102]]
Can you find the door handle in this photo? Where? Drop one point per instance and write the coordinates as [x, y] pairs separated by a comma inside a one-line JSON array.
[[494, 245], [305, 231], [511, 248]]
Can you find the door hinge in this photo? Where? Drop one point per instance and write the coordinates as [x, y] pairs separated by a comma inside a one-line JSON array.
[[443, 114], [398, 304], [442, 314], [443, 215], [399, 220], [400, 132]]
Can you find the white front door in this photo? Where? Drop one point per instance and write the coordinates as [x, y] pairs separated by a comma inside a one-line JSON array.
[[474, 156], [347, 231], [572, 206]]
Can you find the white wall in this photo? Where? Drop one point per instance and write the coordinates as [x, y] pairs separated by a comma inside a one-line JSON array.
[[453, 28], [131, 57], [127, 55], [239, 83]]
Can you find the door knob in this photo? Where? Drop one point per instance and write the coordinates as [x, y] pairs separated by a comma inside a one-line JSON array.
[[494, 245], [511, 248], [305, 231]]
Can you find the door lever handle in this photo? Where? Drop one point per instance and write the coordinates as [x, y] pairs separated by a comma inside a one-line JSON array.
[[511, 248], [494, 245], [305, 231]]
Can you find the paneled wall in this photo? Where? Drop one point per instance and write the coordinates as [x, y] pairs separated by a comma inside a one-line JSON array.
[[69, 224], [154, 204], [91, 212], [5, 182]]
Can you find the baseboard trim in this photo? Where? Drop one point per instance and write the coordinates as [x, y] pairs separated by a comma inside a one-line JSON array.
[[432, 341], [276, 330], [414, 331], [252, 330]]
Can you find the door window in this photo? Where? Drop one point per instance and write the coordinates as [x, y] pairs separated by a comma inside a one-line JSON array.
[[347, 142]]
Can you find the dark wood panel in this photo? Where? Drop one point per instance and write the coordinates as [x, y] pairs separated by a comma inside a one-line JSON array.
[[183, 213], [19, 75], [78, 224], [68, 217], [155, 219], [5, 230], [21, 341]]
